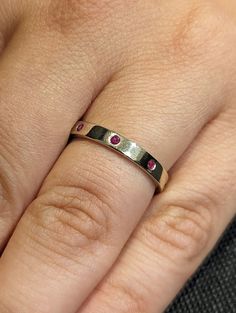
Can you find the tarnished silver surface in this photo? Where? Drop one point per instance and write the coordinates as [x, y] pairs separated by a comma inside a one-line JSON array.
[[124, 146]]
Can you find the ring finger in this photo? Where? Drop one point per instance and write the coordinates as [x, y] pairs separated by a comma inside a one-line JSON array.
[[180, 228]]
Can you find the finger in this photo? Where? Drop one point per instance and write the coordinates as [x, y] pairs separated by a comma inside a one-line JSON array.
[[42, 95], [93, 198], [179, 230]]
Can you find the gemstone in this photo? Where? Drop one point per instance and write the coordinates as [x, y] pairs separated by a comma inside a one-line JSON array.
[[151, 165], [115, 140], [80, 127]]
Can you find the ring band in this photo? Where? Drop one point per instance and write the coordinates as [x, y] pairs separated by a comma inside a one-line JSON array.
[[124, 146]]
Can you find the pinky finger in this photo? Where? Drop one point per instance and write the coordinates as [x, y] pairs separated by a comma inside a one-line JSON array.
[[180, 228]]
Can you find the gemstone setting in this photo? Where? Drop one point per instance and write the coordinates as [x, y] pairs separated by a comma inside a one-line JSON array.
[[80, 127], [115, 140], [151, 165]]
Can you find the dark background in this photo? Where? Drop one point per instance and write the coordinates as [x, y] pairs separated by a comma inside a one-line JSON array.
[[213, 288]]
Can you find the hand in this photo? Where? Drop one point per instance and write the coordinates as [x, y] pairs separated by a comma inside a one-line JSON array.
[[163, 73]]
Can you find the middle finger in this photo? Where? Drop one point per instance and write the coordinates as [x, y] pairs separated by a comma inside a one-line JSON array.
[[43, 92]]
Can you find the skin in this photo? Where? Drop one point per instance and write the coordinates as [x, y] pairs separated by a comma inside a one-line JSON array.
[[80, 229]]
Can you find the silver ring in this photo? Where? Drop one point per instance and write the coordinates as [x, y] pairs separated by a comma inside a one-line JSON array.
[[125, 147]]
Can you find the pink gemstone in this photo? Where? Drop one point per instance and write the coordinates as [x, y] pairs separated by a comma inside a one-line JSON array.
[[80, 127], [115, 140], [151, 165]]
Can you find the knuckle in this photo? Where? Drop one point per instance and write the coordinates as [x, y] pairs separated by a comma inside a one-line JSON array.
[[65, 15], [179, 231], [72, 217], [199, 32], [133, 300]]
